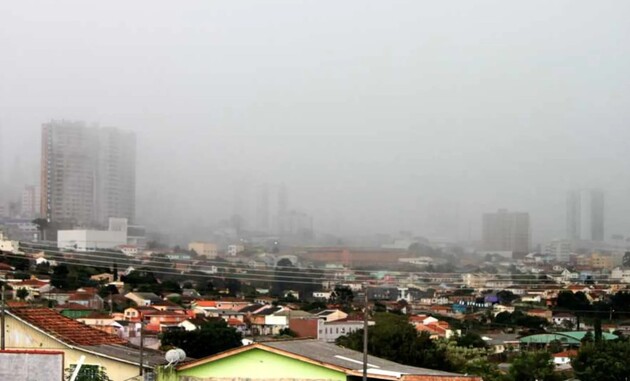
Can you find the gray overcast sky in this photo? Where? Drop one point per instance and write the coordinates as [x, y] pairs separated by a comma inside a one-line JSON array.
[[378, 115]]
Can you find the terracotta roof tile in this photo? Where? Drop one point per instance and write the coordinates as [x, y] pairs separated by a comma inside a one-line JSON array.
[[65, 329], [72, 306]]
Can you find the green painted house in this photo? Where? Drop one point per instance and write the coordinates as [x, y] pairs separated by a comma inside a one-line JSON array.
[[298, 360]]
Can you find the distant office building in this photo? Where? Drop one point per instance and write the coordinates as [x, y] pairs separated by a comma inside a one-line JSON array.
[[119, 235], [560, 249], [234, 250], [90, 240], [585, 215], [204, 249], [87, 174], [506, 231], [283, 205], [263, 209]]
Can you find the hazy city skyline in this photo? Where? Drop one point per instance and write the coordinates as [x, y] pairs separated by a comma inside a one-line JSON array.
[[381, 117]]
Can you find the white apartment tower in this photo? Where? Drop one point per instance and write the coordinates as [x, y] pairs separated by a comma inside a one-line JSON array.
[[87, 174]]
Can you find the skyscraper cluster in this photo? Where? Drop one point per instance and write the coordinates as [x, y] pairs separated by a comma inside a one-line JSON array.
[[88, 174]]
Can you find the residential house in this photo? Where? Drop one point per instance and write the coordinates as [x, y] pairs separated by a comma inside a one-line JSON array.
[[332, 315], [5, 269], [166, 305], [306, 359], [320, 329], [102, 322], [501, 342], [43, 329], [265, 300], [87, 299], [103, 277], [564, 319], [541, 313], [499, 308], [158, 321], [143, 298], [136, 314], [129, 250], [564, 357], [36, 288], [204, 306], [437, 329], [621, 274], [225, 314], [322, 295], [261, 324], [194, 323]]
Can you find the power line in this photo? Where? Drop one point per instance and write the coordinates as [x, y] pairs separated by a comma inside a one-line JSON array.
[[209, 276], [422, 274], [165, 270], [438, 277]]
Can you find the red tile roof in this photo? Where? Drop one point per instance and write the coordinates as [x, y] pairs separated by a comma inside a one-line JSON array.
[[72, 306], [235, 322], [65, 329], [31, 282], [82, 296], [568, 353], [206, 303]]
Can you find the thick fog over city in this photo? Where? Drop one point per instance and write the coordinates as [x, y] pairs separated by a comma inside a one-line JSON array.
[[362, 117]]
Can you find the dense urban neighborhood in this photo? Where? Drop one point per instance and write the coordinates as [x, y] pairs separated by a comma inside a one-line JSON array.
[[311, 190], [433, 312]]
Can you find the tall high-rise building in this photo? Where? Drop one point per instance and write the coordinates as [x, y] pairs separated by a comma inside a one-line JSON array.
[[116, 175], [87, 174], [2, 153], [283, 206], [506, 231], [263, 209], [585, 215], [30, 201]]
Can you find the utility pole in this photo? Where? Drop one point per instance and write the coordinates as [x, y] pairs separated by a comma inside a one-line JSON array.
[[2, 343], [365, 334], [141, 346]]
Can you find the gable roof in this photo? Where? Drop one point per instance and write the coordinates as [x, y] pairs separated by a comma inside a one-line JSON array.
[[251, 308], [332, 357], [145, 296], [62, 328]]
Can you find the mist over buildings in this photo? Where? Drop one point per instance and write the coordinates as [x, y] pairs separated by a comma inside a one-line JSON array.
[[375, 117]]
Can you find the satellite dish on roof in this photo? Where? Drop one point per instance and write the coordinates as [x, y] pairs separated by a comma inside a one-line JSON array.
[[174, 356]]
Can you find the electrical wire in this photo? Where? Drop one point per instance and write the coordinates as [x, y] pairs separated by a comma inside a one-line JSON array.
[[422, 274]]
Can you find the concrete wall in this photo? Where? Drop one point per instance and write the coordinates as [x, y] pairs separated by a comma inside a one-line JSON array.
[[31, 365]]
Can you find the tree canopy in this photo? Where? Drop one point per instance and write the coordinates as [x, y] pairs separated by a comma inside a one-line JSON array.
[[393, 338], [210, 338], [599, 361]]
